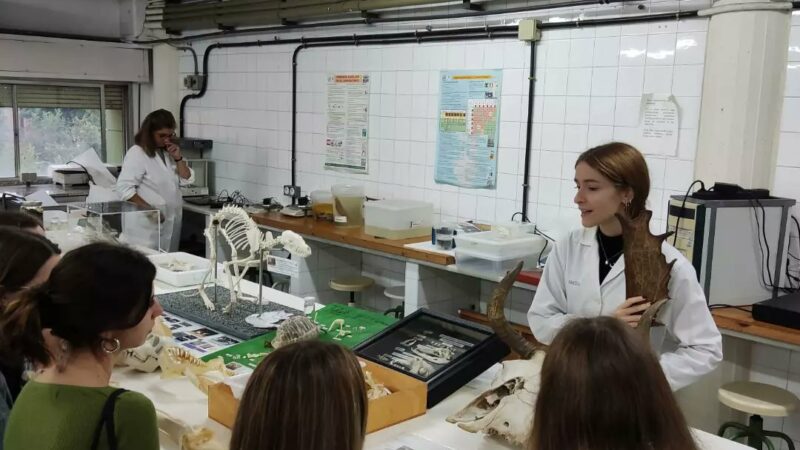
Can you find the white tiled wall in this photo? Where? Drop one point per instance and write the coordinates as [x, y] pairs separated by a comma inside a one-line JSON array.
[[787, 172], [589, 83]]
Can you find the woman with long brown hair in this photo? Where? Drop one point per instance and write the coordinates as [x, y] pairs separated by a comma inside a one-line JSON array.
[[97, 302], [151, 176], [309, 395], [602, 388], [585, 273], [26, 260]]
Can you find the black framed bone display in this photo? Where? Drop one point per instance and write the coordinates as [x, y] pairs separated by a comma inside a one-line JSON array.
[[444, 351]]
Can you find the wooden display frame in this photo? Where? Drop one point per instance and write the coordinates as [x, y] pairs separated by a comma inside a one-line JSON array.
[[407, 400]]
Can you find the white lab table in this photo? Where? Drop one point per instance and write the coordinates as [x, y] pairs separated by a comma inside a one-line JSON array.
[[181, 399]]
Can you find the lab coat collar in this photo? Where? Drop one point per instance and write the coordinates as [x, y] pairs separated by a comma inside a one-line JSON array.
[[589, 239]]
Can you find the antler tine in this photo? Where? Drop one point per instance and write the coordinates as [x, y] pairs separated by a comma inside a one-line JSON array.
[[663, 237], [497, 316]]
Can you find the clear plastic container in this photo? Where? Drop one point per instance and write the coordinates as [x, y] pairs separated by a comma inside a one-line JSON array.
[[348, 204], [322, 205], [398, 219], [491, 252]]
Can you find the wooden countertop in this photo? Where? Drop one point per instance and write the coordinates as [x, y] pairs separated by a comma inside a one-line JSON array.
[[726, 319], [742, 321], [308, 226]]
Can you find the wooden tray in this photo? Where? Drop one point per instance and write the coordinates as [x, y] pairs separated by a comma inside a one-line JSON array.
[[408, 399]]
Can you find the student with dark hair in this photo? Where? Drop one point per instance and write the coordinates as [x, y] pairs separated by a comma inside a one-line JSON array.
[[26, 260], [151, 176], [602, 388], [98, 301], [305, 396], [23, 221]]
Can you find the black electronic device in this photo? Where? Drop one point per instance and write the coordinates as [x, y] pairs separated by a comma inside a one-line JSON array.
[[783, 310], [444, 351], [728, 191]]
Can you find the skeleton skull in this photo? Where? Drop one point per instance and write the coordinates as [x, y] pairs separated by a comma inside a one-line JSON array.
[[505, 410], [145, 357]]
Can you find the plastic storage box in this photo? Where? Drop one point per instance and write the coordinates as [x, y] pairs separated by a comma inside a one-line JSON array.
[[180, 269], [398, 219], [491, 252]]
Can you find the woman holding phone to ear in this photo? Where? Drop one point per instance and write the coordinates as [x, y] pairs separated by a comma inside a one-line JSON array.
[[152, 173]]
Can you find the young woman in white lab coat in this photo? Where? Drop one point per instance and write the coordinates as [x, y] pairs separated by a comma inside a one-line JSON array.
[[585, 273], [151, 176]]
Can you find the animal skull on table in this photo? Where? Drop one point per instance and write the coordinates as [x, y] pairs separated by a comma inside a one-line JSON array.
[[242, 235], [507, 408]]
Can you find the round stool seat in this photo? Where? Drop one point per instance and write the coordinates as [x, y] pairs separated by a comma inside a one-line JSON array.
[[351, 284], [757, 398], [395, 292]]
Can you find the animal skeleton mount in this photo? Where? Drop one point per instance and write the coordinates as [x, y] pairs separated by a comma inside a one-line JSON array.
[[249, 247], [506, 410]]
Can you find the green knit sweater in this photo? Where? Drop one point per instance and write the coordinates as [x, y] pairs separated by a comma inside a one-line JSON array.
[[60, 417]]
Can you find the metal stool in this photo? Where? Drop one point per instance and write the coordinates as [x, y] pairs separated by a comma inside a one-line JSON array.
[[352, 285], [396, 293], [756, 399]]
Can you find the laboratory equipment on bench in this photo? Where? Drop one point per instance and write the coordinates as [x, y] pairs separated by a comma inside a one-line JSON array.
[[202, 178], [737, 245], [398, 219]]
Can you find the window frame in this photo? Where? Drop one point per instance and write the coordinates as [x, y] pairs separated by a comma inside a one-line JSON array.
[[101, 85]]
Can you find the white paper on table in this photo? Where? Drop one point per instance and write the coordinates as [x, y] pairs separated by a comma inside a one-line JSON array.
[[96, 169], [283, 266], [658, 125], [42, 196], [411, 442]]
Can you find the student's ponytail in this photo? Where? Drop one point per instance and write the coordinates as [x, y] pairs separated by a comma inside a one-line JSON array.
[[21, 325]]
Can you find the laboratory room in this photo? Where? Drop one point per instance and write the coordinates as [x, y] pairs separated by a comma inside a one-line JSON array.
[[399, 224]]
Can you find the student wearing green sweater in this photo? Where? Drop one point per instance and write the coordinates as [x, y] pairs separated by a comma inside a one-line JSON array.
[[97, 302]]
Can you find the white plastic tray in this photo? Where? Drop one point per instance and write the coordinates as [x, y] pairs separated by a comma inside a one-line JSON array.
[[196, 268]]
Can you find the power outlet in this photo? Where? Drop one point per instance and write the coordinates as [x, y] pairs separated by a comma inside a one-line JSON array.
[[193, 82], [291, 191]]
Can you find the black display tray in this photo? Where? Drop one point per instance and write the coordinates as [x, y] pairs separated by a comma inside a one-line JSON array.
[[444, 351]]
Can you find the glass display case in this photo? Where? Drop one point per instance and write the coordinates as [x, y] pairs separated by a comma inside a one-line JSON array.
[[76, 224]]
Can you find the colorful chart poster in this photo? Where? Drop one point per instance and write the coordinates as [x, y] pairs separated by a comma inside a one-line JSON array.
[[469, 120], [348, 116]]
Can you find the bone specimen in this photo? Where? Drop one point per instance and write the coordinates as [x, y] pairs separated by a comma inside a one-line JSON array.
[[249, 247], [295, 329]]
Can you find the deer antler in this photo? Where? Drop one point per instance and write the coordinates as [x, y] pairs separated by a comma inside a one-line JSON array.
[[647, 273], [497, 317]]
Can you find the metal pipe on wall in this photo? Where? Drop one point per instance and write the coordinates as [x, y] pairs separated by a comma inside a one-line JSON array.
[[529, 133]]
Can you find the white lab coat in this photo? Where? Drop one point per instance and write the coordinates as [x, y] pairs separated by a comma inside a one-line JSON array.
[[689, 344], [155, 180]]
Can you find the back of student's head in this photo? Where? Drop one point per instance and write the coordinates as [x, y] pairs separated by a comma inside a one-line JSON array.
[[21, 220], [94, 289], [22, 257], [305, 396], [602, 388]]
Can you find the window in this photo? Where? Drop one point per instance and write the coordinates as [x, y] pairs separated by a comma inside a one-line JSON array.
[[55, 123]]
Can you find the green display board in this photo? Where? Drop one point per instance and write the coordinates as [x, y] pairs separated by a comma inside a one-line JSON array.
[[359, 326]]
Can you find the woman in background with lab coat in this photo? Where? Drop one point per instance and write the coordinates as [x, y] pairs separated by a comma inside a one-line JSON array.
[[152, 173], [585, 273]]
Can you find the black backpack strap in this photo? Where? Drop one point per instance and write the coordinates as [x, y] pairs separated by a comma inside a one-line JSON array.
[[107, 420]]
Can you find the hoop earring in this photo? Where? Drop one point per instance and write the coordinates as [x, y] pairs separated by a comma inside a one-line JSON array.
[[110, 345]]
